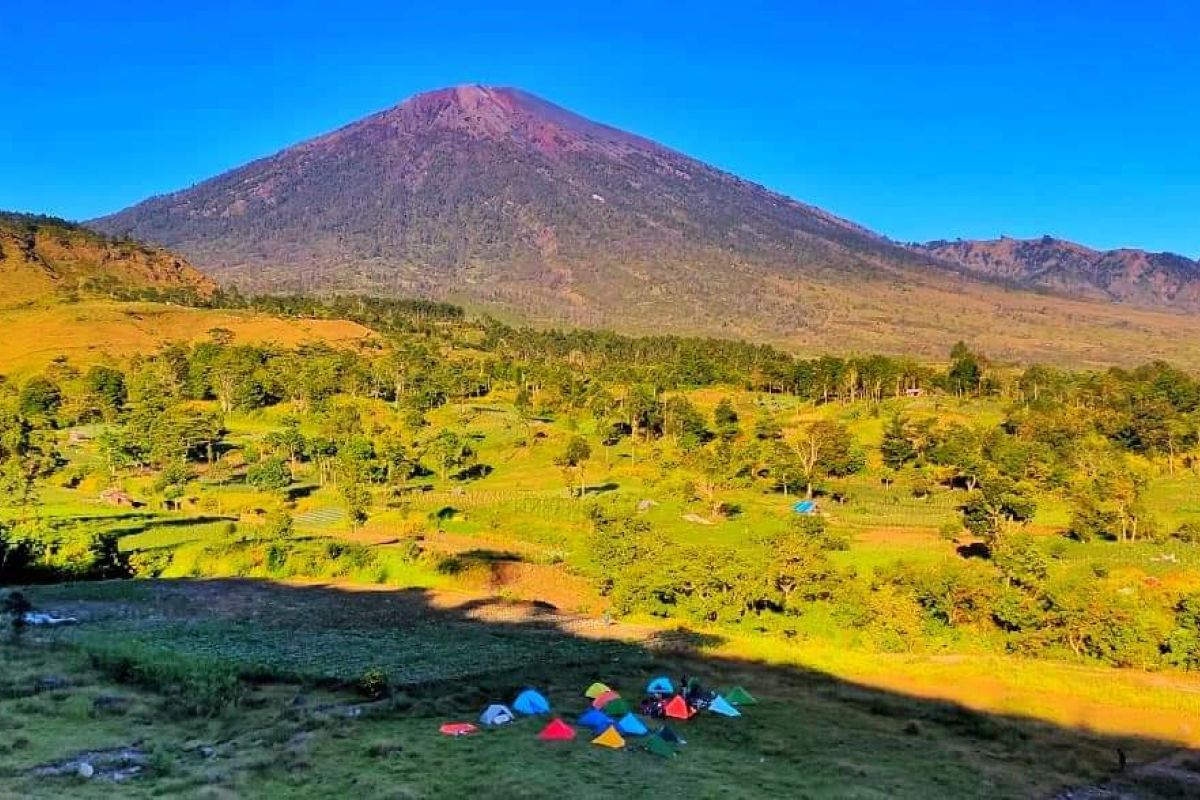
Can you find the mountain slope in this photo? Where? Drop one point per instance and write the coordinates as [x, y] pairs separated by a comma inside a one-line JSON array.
[[43, 257], [1128, 276], [497, 199], [494, 195]]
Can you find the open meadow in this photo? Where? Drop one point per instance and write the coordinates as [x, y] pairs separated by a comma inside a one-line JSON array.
[[291, 562]]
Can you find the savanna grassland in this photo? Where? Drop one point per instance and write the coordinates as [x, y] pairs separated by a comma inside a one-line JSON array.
[[292, 559]]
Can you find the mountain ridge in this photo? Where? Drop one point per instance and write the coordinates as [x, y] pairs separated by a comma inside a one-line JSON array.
[[1125, 275], [45, 257]]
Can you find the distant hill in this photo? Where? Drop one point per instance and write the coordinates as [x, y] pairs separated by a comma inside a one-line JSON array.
[[43, 257], [496, 199], [1153, 280]]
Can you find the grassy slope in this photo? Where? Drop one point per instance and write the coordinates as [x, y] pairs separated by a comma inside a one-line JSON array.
[[99, 330], [43, 258], [812, 735]]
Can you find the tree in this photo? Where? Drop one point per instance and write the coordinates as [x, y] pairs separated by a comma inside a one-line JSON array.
[[106, 391], [572, 460], [896, 449], [356, 498], [40, 397], [1000, 505], [449, 451], [799, 568], [682, 421], [782, 463], [766, 427], [826, 449], [269, 475], [725, 419], [965, 375], [959, 448]]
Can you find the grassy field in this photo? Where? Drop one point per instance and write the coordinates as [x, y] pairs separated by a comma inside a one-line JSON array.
[[95, 331], [462, 590], [297, 729]]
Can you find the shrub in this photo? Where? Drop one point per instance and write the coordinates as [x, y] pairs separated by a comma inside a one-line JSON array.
[[270, 474], [375, 683]]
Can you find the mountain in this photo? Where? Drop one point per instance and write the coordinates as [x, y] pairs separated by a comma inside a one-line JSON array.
[[495, 195], [1126, 275], [499, 200], [44, 257]]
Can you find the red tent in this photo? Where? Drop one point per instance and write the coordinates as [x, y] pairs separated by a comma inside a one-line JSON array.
[[557, 731], [604, 699], [677, 708]]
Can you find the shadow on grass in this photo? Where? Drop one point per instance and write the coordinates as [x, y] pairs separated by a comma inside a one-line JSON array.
[[812, 734]]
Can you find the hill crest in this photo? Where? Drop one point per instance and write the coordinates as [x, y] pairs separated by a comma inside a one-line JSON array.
[[48, 258], [1125, 275]]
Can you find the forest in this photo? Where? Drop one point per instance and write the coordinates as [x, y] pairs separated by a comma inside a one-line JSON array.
[[958, 505]]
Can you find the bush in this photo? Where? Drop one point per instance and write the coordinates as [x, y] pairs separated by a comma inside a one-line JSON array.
[[375, 683], [1188, 533], [270, 474], [191, 687]]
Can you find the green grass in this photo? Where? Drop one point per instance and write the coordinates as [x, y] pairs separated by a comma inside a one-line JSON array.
[[811, 735]]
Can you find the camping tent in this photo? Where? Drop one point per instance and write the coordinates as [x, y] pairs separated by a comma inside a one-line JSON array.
[[601, 700], [616, 708], [668, 734], [557, 731], [457, 728], [632, 726], [531, 702], [595, 719], [660, 685], [677, 708], [496, 714], [658, 746], [610, 738], [721, 706], [805, 507], [595, 690], [740, 697]]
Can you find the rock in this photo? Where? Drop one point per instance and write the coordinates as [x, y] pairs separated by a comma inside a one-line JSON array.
[[50, 683], [208, 751], [110, 703], [85, 770]]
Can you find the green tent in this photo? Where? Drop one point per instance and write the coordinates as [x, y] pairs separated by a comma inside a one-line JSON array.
[[617, 708], [657, 746], [740, 697]]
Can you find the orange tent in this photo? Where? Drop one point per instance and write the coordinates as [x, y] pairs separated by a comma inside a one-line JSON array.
[[610, 738], [604, 699], [458, 728], [677, 708]]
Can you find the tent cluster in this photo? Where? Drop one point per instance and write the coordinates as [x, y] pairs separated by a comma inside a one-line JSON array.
[[611, 721]]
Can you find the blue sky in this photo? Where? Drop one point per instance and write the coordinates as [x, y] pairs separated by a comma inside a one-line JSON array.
[[918, 119]]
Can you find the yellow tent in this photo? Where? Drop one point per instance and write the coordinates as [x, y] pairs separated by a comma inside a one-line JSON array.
[[595, 690], [610, 738]]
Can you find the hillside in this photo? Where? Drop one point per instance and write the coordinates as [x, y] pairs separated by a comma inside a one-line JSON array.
[[1154, 280], [43, 257]]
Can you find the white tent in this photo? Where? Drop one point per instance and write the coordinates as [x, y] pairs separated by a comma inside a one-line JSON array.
[[496, 714]]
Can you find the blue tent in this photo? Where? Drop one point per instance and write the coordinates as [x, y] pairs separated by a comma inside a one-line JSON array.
[[632, 726], [660, 685], [530, 702], [595, 719], [805, 507], [721, 706]]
